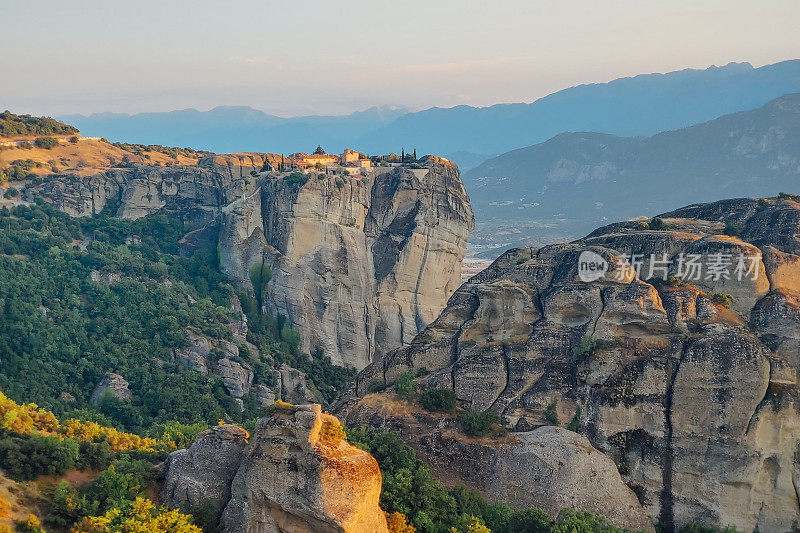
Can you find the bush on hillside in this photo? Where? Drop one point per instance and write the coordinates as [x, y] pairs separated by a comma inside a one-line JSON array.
[[478, 423], [438, 400], [46, 142], [405, 384]]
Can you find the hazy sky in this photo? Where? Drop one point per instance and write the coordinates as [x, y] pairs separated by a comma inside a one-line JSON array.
[[293, 57]]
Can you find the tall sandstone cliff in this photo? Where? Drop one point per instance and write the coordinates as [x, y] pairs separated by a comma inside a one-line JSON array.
[[359, 266], [694, 398]]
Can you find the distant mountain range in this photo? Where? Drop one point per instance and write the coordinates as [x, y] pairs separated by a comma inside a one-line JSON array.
[[235, 128], [573, 182], [641, 105]]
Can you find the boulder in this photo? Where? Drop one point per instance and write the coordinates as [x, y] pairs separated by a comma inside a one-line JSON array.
[[112, 384], [549, 467], [292, 386], [237, 377], [204, 472]]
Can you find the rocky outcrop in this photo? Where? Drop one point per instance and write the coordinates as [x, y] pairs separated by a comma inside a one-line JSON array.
[[203, 354], [358, 265], [205, 471], [139, 190], [113, 385], [549, 467], [692, 394], [292, 386], [295, 474]]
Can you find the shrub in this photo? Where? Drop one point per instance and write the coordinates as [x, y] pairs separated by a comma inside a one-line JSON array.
[[73, 139], [339, 183], [139, 515], [12, 125], [207, 516], [531, 521], [694, 527], [570, 520], [478, 424], [182, 435], [438, 400], [66, 505], [27, 457], [584, 348], [405, 384], [576, 420], [29, 525], [281, 407], [376, 386], [720, 298], [550, 414], [46, 142], [396, 523], [260, 275], [332, 430], [657, 224], [789, 196], [296, 178], [731, 229]]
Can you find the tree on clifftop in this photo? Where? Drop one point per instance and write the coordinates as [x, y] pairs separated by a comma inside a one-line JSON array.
[[319, 151]]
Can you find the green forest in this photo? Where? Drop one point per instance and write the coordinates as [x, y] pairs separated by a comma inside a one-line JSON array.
[[61, 332], [12, 125]]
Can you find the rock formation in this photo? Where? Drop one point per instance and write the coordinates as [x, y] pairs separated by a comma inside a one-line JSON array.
[[112, 384], [549, 467], [295, 474], [693, 395], [358, 265], [204, 472], [292, 386]]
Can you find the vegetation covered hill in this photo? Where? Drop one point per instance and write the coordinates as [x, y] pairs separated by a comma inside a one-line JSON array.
[[12, 125], [82, 475], [83, 297]]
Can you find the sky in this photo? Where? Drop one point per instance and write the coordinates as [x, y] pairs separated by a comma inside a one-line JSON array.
[[303, 57]]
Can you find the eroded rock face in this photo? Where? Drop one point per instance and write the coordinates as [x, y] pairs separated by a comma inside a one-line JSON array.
[[292, 386], [290, 477], [204, 354], [205, 471], [695, 402], [359, 265], [549, 467]]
